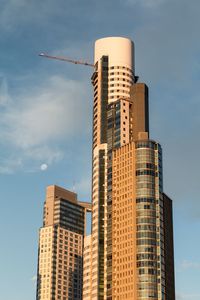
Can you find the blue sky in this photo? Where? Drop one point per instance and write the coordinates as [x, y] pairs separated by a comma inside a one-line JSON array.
[[46, 109]]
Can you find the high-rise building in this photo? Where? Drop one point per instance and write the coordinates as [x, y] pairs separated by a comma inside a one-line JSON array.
[[87, 268], [132, 232], [61, 239], [129, 254]]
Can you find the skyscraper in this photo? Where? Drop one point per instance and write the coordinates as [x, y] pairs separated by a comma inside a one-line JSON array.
[[132, 231], [129, 254], [60, 253]]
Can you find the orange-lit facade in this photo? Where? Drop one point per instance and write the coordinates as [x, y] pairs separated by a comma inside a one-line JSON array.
[[87, 268], [124, 224], [129, 254], [139, 262], [61, 240], [132, 232]]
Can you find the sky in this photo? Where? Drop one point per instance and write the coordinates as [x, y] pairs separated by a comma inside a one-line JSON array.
[[46, 117]]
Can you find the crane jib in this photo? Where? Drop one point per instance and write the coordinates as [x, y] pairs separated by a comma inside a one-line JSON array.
[[76, 62]]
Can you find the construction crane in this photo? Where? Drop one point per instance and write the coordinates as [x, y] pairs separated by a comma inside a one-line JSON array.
[[76, 62]]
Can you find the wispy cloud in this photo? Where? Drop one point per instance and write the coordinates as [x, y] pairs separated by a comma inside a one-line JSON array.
[[184, 296], [34, 123], [10, 11], [145, 3], [45, 115], [34, 278], [83, 186], [169, 58], [185, 264], [10, 164], [4, 95], [15, 12]]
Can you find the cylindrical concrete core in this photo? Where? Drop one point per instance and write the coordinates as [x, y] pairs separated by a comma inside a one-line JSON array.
[[120, 51]]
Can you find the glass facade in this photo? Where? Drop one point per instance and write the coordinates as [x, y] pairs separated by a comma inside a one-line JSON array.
[[149, 219], [120, 121], [69, 215]]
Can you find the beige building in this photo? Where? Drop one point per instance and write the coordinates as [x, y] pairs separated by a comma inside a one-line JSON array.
[[124, 224], [138, 236], [61, 240], [112, 79], [129, 254], [87, 268], [131, 216]]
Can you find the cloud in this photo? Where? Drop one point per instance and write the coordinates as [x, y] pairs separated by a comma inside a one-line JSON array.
[[145, 3], [183, 296], [46, 114], [15, 12], [189, 265], [83, 186], [8, 165], [166, 59], [34, 278], [51, 153], [36, 122], [4, 95], [167, 47], [10, 11]]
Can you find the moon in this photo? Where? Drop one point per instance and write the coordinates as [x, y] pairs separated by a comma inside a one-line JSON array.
[[43, 167]]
